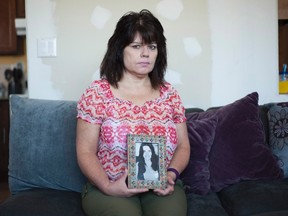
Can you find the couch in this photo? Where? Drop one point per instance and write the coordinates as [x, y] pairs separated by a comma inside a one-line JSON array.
[[237, 164]]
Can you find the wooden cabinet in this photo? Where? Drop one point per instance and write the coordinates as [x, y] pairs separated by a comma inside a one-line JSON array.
[[4, 139], [10, 44], [20, 8], [282, 9]]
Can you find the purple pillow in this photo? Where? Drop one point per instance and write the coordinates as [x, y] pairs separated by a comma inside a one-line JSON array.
[[201, 135], [239, 151]]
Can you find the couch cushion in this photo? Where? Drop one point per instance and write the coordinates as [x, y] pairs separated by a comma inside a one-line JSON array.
[[201, 135], [274, 213], [43, 202], [239, 151], [207, 205], [256, 197], [42, 145], [278, 133]]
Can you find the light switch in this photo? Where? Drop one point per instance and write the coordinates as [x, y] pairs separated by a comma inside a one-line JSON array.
[[46, 47]]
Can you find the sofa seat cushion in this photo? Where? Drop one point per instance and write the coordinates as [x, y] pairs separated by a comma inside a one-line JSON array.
[[276, 213], [204, 205], [44, 202], [255, 197]]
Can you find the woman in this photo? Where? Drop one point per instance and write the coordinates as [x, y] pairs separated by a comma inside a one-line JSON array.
[[131, 97], [147, 162]]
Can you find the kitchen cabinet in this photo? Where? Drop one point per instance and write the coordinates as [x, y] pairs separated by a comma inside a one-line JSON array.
[[10, 43], [20, 8], [4, 139], [282, 9]]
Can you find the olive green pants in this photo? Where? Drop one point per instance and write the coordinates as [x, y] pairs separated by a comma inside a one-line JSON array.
[[95, 203]]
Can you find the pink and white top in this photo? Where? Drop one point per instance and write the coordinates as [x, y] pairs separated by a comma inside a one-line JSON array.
[[119, 117]]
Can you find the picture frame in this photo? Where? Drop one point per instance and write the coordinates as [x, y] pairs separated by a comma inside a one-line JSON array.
[[146, 161]]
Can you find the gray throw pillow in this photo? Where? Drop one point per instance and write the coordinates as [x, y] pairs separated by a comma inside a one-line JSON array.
[[278, 133], [42, 145]]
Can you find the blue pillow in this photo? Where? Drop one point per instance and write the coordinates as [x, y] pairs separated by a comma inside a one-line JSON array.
[[42, 145]]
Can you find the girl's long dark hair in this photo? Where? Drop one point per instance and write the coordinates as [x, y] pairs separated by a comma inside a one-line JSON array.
[[151, 31], [141, 160]]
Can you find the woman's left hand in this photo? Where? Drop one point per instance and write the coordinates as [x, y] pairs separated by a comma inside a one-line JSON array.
[[168, 190]]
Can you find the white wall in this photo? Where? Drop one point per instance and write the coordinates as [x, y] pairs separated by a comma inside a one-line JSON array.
[[215, 54]]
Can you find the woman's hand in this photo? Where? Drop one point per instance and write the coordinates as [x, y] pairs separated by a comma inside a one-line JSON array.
[[119, 188], [169, 189]]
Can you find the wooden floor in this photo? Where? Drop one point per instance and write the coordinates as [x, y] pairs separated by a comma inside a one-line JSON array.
[[4, 191]]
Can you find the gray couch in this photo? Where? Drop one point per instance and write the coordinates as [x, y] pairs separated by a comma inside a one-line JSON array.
[[44, 177]]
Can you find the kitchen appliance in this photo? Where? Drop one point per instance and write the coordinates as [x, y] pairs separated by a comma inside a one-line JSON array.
[[2, 90], [14, 78]]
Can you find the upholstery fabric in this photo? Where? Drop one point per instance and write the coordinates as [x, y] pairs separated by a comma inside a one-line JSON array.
[[263, 112], [43, 202], [256, 197], [39, 126], [204, 205], [278, 133], [201, 134], [29, 153], [276, 213], [238, 154]]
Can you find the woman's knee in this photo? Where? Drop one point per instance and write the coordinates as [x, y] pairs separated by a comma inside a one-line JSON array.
[[95, 203], [171, 205]]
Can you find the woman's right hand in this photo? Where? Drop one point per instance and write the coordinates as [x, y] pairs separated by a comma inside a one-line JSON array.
[[119, 188]]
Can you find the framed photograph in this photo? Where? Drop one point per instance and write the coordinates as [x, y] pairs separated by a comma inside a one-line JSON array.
[[146, 161]]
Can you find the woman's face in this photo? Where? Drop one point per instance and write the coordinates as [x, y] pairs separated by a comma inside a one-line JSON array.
[[147, 152], [139, 59]]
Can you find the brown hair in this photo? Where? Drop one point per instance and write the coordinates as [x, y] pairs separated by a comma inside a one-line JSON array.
[[151, 31]]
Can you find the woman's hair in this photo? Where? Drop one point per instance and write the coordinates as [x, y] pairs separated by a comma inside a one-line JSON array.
[[141, 160], [150, 30]]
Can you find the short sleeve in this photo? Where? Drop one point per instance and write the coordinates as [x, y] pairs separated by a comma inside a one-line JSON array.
[[178, 108], [90, 107]]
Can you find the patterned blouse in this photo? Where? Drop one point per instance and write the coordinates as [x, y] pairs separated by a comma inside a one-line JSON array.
[[119, 117]]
